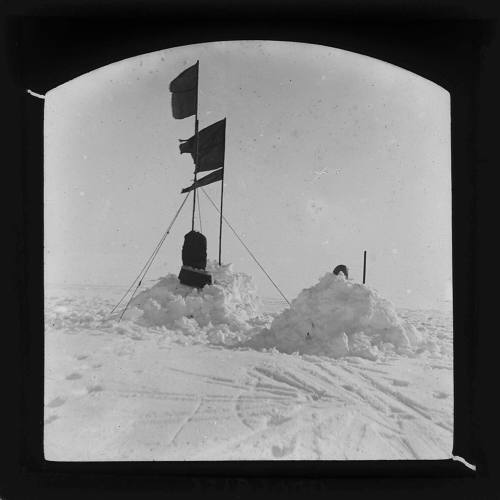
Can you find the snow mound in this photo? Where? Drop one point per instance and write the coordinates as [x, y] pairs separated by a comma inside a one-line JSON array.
[[224, 312], [338, 317]]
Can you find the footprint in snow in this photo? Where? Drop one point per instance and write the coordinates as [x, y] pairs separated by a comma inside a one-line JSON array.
[[275, 420], [440, 367], [406, 416], [400, 383], [394, 409], [95, 388], [73, 376], [81, 356], [50, 419], [281, 451], [353, 361], [316, 396], [440, 395], [59, 401], [278, 452]]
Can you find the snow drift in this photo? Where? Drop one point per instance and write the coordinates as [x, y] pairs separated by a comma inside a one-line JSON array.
[[338, 317], [225, 312]]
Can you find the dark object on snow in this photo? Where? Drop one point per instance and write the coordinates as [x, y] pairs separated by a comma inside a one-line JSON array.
[[341, 269], [197, 278], [194, 260], [194, 250]]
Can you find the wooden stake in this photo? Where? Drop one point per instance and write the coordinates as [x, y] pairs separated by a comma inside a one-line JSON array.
[[221, 202], [364, 267], [220, 221], [196, 156], [195, 166]]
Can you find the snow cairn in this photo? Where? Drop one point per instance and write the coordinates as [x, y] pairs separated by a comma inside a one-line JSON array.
[[221, 313], [338, 317]]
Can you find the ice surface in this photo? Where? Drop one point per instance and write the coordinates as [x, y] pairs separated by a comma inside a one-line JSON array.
[[174, 387]]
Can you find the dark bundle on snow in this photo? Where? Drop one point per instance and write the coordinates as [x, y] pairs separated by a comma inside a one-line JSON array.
[[194, 250], [341, 269]]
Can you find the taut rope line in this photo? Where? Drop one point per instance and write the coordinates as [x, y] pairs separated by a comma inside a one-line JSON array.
[[246, 248], [149, 262]]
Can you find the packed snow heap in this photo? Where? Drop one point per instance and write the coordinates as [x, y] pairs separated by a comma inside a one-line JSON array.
[[225, 312], [336, 317]]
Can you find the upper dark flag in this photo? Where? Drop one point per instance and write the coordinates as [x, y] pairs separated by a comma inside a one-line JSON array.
[[184, 90], [211, 148], [204, 181]]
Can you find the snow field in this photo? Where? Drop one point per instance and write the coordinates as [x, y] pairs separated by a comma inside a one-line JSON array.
[[338, 317], [159, 386]]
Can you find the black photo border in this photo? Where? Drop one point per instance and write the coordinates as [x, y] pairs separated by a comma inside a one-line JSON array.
[[49, 43]]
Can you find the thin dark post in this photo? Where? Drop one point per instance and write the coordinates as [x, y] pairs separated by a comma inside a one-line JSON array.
[[364, 267], [195, 168], [196, 156], [220, 222]]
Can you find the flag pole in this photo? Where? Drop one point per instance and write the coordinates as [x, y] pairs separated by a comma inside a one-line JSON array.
[[221, 200], [195, 169], [220, 218], [364, 267], [196, 157]]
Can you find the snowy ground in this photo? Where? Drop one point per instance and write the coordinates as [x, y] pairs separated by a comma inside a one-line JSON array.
[[124, 391]]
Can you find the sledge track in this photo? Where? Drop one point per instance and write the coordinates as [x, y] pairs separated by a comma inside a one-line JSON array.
[[136, 394], [317, 394]]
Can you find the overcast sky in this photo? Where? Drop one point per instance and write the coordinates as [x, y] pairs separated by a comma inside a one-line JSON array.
[[328, 153]]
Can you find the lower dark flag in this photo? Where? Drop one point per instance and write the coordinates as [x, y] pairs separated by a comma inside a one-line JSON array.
[[211, 146], [214, 176]]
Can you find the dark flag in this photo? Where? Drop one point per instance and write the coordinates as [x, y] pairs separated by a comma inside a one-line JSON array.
[[184, 90], [212, 142], [204, 181]]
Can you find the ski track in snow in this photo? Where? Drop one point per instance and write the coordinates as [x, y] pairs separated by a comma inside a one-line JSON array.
[[315, 386], [185, 422], [128, 393]]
